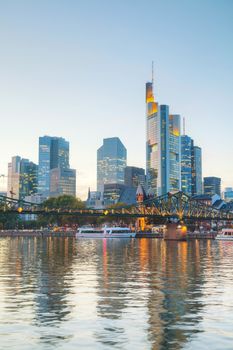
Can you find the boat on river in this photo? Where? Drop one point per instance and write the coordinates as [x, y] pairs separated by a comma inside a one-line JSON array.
[[105, 232], [226, 234]]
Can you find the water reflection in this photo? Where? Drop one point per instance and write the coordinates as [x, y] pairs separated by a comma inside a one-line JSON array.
[[122, 294]]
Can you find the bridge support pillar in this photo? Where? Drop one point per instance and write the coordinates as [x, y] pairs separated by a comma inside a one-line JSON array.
[[175, 232], [140, 224]]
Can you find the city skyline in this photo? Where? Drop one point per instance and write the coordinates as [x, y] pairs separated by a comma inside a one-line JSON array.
[[52, 70]]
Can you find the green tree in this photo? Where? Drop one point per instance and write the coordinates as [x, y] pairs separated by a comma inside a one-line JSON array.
[[62, 203]]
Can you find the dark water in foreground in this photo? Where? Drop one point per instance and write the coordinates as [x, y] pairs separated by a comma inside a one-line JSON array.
[[60, 293]]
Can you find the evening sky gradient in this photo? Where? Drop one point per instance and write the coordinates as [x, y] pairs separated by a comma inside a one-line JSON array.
[[78, 69]]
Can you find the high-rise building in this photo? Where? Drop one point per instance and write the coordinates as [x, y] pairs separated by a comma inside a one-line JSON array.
[[44, 165], [197, 171], [186, 164], [13, 177], [28, 178], [54, 154], [62, 181], [152, 141], [111, 163], [165, 163], [134, 176], [163, 147], [22, 178], [191, 167], [212, 185], [174, 153]]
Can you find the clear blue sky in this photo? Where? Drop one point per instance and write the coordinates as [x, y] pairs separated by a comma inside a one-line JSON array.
[[77, 69]]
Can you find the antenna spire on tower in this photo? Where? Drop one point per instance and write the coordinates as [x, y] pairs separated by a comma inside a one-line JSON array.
[[183, 125]]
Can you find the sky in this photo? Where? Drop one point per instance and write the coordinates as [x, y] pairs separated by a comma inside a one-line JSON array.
[[78, 68]]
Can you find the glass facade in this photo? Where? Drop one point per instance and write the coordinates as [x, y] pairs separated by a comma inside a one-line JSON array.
[[152, 141], [134, 176], [197, 171], [228, 194], [28, 178], [62, 181], [212, 186], [174, 153], [112, 193], [111, 163], [44, 165], [186, 164], [53, 153], [165, 164]]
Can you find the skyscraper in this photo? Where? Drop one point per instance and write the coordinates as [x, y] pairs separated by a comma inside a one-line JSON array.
[[163, 147], [165, 163], [197, 171], [174, 153], [134, 176], [54, 154], [28, 178], [191, 167], [22, 178], [186, 164], [152, 141], [212, 185], [111, 162]]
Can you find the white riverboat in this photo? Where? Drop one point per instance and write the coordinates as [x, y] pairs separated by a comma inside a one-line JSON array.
[[226, 234], [105, 232]]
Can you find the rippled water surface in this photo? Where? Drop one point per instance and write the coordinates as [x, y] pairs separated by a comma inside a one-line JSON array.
[[62, 293]]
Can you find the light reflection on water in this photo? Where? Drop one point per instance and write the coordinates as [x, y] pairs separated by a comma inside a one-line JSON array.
[[124, 294]]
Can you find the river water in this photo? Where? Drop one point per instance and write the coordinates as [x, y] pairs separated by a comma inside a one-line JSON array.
[[62, 293]]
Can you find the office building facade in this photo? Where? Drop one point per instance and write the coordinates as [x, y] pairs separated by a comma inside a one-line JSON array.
[[134, 176], [13, 177], [53, 153], [28, 181], [228, 194], [111, 163], [163, 147], [22, 178], [62, 182], [212, 185], [54, 171], [186, 164], [174, 175], [152, 141], [197, 171]]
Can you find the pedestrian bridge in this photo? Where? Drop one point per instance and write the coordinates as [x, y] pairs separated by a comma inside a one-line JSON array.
[[174, 206]]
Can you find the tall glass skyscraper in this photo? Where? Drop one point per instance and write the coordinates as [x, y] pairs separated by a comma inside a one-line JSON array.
[[28, 178], [53, 154], [152, 141], [197, 171], [111, 162], [163, 147], [186, 164], [165, 152], [174, 153]]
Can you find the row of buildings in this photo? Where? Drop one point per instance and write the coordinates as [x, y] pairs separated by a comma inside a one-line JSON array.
[[173, 163], [50, 178]]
